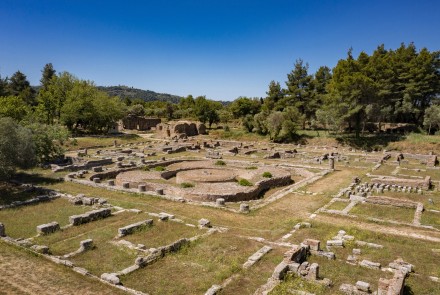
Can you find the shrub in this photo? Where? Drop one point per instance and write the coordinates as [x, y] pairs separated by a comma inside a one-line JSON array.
[[220, 163], [245, 182], [251, 168], [159, 168], [267, 174], [186, 184]]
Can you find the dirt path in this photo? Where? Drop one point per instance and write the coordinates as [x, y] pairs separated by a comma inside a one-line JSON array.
[[24, 273]]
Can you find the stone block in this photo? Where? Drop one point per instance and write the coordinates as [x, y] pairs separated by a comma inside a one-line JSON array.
[[40, 249], [244, 208], [220, 202], [111, 182], [142, 187], [356, 251], [2, 230], [48, 228], [112, 278], [97, 180], [86, 245], [129, 229], [215, 289], [369, 264], [204, 222], [313, 272], [280, 271], [313, 244], [335, 243], [97, 169], [126, 185], [363, 286]]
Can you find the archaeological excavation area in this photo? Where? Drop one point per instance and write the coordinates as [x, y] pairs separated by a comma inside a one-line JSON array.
[[182, 213]]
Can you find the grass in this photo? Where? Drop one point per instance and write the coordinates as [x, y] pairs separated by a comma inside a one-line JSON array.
[[195, 268], [384, 212], [220, 163], [24, 273], [21, 222], [338, 206], [267, 174], [293, 282], [94, 141], [431, 218], [162, 233], [186, 185], [11, 192], [245, 182], [100, 231]]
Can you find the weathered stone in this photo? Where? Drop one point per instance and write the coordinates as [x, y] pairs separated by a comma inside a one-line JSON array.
[[129, 229], [213, 290], [97, 169], [369, 264], [280, 271], [97, 180], [401, 265], [2, 230], [111, 182], [204, 222], [48, 228], [220, 202], [356, 251], [313, 244], [363, 286], [297, 254], [87, 201], [86, 245], [40, 249], [142, 187], [369, 245], [126, 185], [244, 208], [351, 259], [335, 243], [90, 216], [313, 273], [111, 278], [159, 191]]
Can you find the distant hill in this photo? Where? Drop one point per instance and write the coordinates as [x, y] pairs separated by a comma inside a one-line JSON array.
[[145, 95]]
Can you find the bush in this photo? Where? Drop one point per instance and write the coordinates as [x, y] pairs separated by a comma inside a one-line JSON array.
[[267, 174], [251, 168], [220, 163], [245, 182], [159, 168], [186, 185]]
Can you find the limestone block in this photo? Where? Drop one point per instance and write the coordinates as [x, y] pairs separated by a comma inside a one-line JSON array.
[[111, 278], [220, 202], [40, 249], [2, 230], [86, 245], [244, 208], [125, 185], [313, 272], [129, 229], [280, 271], [97, 180], [204, 222], [142, 187], [313, 244], [335, 243], [97, 169], [213, 290], [370, 264], [48, 228], [363, 286]]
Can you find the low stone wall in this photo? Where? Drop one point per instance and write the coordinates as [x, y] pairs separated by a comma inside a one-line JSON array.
[[380, 200], [90, 216], [33, 201], [129, 229], [423, 184], [48, 228], [83, 166]]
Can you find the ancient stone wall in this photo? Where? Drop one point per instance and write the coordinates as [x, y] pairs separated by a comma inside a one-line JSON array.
[[140, 123], [180, 129]]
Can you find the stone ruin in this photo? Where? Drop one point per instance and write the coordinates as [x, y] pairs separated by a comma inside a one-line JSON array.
[[140, 123], [180, 129], [90, 216]]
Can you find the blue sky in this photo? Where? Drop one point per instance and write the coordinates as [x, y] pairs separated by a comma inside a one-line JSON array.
[[219, 48]]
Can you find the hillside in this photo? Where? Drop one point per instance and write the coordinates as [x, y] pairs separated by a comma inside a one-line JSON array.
[[146, 95]]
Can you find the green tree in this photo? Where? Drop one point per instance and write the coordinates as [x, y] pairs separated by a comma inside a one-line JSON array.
[[20, 86], [13, 107], [136, 110], [243, 106], [432, 118], [299, 92], [17, 149], [207, 110], [47, 74], [274, 94]]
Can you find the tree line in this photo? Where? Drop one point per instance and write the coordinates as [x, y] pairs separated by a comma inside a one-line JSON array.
[[400, 86]]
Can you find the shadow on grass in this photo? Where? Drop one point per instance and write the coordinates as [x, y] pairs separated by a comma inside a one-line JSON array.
[[36, 179], [374, 142]]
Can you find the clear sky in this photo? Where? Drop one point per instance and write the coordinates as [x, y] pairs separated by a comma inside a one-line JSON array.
[[219, 48]]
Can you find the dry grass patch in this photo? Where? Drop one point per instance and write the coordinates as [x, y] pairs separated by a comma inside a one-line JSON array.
[[195, 268], [338, 206], [162, 233], [22, 221], [22, 272], [384, 212], [101, 231], [431, 218], [248, 281]]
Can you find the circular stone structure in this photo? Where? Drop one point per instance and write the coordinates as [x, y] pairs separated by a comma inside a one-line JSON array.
[[206, 175]]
